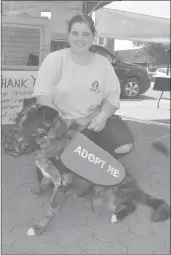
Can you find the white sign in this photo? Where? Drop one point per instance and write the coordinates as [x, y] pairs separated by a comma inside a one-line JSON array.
[[132, 26], [15, 86]]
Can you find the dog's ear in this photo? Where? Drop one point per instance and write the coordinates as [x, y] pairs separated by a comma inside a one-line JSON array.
[[47, 114], [29, 101]]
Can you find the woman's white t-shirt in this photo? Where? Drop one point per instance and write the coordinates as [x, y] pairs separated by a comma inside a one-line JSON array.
[[76, 90]]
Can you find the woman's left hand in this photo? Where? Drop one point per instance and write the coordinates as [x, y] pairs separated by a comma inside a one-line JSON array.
[[98, 122]]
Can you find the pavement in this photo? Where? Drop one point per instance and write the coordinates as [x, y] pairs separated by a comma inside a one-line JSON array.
[[76, 230], [145, 107]]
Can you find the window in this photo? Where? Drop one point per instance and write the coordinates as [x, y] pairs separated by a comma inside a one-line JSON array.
[[58, 45], [20, 46]]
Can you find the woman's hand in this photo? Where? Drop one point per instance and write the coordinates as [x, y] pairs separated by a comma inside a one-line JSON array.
[[98, 122]]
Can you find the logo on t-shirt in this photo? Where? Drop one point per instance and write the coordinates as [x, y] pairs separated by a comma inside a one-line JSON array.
[[95, 87]]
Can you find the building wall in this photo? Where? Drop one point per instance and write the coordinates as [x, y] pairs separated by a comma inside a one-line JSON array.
[[18, 36], [59, 21]]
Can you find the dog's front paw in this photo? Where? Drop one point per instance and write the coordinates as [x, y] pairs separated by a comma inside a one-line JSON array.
[[35, 230], [31, 232], [114, 218]]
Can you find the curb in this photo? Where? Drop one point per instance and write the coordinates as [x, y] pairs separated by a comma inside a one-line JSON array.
[[146, 121]]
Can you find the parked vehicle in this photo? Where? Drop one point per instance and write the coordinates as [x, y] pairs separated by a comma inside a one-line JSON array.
[[134, 79]]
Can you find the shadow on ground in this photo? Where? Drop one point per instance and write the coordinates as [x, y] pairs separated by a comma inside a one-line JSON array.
[[140, 98]]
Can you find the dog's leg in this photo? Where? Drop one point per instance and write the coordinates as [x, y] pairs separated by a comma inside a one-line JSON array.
[[39, 175], [91, 204], [57, 200], [43, 183], [46, 172], [43, 186], [123, 210], [59, 197], [87, 192]]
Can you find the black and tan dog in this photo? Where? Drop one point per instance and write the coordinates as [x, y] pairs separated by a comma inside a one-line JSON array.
[[41, 129]]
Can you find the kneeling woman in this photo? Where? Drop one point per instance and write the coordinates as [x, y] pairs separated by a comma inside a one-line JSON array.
[[83, 87]]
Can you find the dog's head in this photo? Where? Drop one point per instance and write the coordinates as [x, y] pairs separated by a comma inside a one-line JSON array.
[[32, 124]]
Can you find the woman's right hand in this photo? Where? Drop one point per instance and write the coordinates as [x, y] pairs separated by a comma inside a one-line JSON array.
[[85, 121]]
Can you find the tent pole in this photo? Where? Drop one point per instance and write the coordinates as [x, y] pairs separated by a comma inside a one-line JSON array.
[[95, 7], [168, 61], [85, 7]]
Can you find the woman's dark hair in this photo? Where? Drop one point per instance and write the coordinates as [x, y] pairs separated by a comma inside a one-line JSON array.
[[82, 18]]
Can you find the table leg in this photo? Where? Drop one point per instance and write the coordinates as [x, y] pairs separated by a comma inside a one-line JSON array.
[[159, 99]]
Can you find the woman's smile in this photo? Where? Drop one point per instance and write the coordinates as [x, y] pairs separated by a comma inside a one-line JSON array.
[[80, 45], [80, 37]]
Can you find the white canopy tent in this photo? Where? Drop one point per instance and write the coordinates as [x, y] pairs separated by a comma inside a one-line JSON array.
[[110, 23], [124, 25]]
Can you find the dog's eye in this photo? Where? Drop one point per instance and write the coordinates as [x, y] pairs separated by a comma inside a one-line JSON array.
[[41, 131]]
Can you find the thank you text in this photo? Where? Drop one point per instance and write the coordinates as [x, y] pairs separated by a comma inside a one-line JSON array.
[[15, 86]]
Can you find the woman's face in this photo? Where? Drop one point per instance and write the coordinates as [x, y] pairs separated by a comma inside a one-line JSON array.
[[80, 37]]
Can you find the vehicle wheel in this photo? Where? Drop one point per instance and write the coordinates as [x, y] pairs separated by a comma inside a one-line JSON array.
[[130, 88]]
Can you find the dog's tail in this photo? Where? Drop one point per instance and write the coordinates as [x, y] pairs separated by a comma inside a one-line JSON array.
[[161, 210]]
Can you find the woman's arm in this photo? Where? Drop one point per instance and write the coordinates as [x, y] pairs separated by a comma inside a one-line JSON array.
[[108, 109], [111, 100]]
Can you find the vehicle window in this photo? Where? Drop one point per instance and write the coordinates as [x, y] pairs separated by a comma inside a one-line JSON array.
[[20, 46]]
